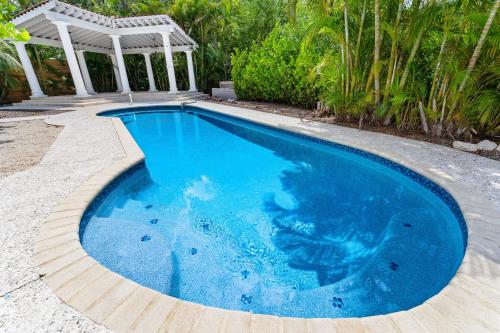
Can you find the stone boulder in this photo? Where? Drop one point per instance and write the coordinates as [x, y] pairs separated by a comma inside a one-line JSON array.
[[465, 146], [486, 145]]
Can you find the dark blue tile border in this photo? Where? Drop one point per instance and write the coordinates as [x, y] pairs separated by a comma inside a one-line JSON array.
[[420, 179]]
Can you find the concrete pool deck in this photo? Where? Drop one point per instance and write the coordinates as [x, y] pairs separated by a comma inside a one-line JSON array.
[[41, 209]]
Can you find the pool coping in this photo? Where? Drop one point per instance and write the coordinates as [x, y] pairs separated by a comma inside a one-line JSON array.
[[469, 303]]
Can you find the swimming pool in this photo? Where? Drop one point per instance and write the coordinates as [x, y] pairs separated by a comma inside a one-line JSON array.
[[236, 215]]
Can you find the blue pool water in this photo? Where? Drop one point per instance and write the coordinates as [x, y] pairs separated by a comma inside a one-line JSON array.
[[235, 215]]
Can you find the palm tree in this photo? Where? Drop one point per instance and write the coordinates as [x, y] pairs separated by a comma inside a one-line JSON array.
[[477, 51], [394, 49], [376, 53], [391, 70], [8, 64], [422, 22], [347, 47]]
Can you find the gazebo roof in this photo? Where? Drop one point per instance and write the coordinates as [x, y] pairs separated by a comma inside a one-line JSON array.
[[90, 31]]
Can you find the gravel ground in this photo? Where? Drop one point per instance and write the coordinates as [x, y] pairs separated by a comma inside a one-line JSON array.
[[27, 113], [84, 146], [88, 144], [23, 144]]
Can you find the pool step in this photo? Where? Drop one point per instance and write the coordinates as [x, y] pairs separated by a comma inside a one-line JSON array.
[[104, 98]]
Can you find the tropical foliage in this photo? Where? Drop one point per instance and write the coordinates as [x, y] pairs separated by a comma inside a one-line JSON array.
[[8, 30], [276, 69], [8, 33], [430, 65]]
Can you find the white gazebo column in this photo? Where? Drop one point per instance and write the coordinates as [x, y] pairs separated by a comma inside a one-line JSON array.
[[121, 63], [117, 73], [192, 80], [85, 71], [170, 61], [62, 27], [149, 69], [36, 91]]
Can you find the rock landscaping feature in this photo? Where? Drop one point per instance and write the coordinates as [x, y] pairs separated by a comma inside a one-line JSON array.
[[486, 145], [465, 146]]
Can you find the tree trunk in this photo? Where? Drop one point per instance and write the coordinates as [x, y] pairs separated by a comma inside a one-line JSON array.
[[346, 31], [394, 51], [440, 126], [342, 54], [292, 10], [423, 118], [477, 51], [358, 44], [394, 70], [376, 56], [413, 51], [360, 124], [392, 63], [436, 71], [360, 34]]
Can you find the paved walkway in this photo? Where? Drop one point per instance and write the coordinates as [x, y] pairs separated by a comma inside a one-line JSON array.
[[89, 144], [85, 146]]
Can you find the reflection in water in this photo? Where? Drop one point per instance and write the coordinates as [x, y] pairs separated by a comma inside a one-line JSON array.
[[175, 285], [251, 219], [314, 233], [179, 133], [196, 125], [321, 242], [158, 127]]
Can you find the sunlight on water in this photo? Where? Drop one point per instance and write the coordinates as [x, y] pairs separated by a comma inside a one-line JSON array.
[[237, 216]]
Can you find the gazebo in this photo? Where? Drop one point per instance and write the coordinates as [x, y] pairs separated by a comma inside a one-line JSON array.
[[76, 30]]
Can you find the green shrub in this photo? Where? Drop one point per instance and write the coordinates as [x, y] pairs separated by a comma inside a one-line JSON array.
[[276, 70]]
